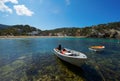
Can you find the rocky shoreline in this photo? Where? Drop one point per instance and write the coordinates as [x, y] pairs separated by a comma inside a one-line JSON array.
[[112, 33]]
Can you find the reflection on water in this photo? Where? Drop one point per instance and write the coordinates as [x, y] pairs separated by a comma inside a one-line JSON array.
[[83, 72], [32, 59]]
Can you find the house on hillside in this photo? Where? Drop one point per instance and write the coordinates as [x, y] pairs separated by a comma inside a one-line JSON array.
[[33, 33]]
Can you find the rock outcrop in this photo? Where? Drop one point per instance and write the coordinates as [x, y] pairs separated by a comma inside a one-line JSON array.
[[106, 34]]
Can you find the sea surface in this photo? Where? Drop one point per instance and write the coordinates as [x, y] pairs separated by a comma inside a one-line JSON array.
[[33, 59]]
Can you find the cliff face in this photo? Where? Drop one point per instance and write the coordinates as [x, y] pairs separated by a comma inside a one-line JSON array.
[[105, 34], [111, 30]]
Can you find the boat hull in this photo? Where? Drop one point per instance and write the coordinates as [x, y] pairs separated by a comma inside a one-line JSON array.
[[96, 48], [75, 61]]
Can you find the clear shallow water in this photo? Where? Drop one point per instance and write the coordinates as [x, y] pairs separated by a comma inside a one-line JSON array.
[[32, 59]]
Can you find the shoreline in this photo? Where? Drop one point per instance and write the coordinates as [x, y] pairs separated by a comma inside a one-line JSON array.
[[6, 37]]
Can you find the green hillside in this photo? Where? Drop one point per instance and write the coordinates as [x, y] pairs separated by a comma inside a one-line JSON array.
[[17, 30], [109, 30]]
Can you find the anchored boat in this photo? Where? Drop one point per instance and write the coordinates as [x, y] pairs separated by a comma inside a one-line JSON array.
[[96, 48], [70, 56]]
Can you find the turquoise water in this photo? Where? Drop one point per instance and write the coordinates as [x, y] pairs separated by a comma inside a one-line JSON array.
[[32, 59]]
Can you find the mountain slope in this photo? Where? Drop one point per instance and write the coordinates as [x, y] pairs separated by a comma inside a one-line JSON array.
[[17, 30], [3, 26], [109, 30]]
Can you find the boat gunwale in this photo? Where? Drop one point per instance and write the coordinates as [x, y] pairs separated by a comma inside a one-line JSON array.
[[77, 57]]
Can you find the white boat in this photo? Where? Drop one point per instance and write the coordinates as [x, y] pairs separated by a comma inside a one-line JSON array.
[[71, 56], [96, 48]]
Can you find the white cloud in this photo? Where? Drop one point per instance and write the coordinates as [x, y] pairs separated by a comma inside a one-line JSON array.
[[12, 1], [23, 10], [67, 2], [20, 9], [5, 8]]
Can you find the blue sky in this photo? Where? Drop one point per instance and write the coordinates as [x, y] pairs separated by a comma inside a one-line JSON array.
[[51, 14]]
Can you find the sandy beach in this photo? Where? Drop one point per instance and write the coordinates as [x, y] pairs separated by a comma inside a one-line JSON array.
[[22, 36], [40, 36]]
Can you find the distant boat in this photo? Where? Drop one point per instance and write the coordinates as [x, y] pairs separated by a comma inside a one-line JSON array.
[[70, 56], [96, 48]]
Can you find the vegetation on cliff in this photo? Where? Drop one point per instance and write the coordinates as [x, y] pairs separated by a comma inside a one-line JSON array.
[[17, 30], [109, 30]]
